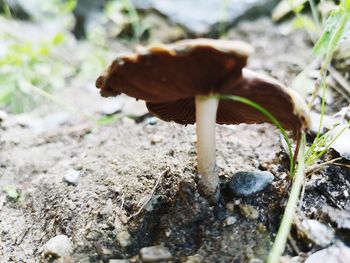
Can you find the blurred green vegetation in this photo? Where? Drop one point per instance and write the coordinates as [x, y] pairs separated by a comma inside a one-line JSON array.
[[44, 60]]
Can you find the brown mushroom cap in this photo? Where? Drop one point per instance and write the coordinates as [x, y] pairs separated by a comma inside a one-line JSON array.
[[187, 68], [284, 104], [168, 77]]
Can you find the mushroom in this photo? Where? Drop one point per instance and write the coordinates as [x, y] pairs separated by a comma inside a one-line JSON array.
[[181, 82]]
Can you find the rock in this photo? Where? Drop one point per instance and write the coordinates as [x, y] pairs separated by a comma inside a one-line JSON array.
[[342, 143], [248, 183], [249, 211], [154, 254], [338, 253], [230, 221], [319, 233], [58, 247], [83, 13], [111, 105], [151, 121], [230, 206], [124, 238], [205, 17], [339, 217], [72, 177], [328, 122]]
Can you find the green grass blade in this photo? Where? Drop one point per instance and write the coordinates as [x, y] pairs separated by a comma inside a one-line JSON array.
[[272, 119], [286, 223]]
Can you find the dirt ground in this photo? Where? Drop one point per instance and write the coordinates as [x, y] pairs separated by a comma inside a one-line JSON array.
[[137, 177]]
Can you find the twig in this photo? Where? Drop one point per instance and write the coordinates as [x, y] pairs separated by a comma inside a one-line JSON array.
[[150, 195], [317, 167], [122, 204], [296, 151]]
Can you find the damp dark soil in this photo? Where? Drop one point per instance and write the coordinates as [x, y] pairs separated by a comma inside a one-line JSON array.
[[137, 178]]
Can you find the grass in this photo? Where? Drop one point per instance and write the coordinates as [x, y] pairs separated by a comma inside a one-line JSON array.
[[333, 33], [270, 116], [287, 219]]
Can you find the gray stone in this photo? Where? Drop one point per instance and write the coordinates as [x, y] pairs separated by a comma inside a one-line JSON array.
[[319, 233], [58, 247], [154, 254], [248, 183], [72, 176], [204, 17], [151, 121], [338, 253]]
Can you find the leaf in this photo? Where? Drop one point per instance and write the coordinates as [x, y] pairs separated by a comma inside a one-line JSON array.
[[331, 27], [11, 191], [306, 22], [58, 39]]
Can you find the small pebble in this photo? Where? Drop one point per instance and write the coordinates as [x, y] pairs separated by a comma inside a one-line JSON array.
[[230, 221], [248, 183], [194, 259], [57, 247], [151, 121], [72, 177], [154, 254], [124, 238], [156, 139], [230, 206], [249, 211]]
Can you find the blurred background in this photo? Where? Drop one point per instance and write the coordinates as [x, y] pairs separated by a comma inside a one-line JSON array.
[[51, 53], [50, 49]]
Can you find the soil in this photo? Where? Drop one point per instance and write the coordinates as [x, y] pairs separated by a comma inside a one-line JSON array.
[[138, 176]]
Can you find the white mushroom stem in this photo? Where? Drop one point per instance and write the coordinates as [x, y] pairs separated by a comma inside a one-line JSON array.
[[206, 108]]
